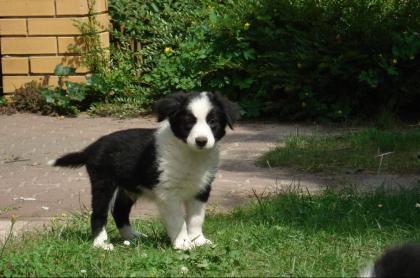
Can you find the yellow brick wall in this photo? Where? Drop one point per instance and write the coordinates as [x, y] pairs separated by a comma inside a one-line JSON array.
[[35, 36]]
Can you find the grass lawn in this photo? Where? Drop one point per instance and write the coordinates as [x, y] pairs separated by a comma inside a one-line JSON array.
[[354, 151], [330, 234]]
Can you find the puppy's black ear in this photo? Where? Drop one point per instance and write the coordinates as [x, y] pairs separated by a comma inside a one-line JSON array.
[[169, 105], [231, 109]]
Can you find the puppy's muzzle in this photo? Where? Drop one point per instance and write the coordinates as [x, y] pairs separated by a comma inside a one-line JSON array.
[[201, 141]]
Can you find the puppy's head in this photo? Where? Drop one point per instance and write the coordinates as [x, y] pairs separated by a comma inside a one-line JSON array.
[[399, 261], [198, 119]]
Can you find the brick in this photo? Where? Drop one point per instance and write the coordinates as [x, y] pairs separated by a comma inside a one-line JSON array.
[[12, 27], [63, 26], [26, 8], [103, 21], [76, 78], [79, 7], [14, 65], [65, 42], [101, 6], [11, 83], [52, 26], [104, 39], [38, 45], [72, 7], [47, 64]]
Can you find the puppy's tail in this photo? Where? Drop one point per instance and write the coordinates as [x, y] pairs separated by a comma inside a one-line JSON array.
[[71, 160]]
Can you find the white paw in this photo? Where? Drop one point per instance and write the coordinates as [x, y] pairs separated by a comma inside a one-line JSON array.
[[200, 240], [105, 246], [182, 244]]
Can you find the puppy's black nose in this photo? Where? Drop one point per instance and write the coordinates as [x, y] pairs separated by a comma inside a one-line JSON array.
[[201, 141]]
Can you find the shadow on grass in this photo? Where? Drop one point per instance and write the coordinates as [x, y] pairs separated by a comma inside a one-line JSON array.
[[77, 228], [337, 212], [340, 212]]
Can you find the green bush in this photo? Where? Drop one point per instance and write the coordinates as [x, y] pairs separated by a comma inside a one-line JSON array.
[[28, 99], [68, 97], [5, 107], [317, 59]]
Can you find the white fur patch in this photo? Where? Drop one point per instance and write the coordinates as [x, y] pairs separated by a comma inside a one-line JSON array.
[[200, 108], [367, 272], [184, 171], [195, 219], [173, 218], [100, 239], [51, 162]]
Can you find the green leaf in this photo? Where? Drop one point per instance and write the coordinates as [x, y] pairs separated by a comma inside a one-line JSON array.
[[213, 16], [370, 77], [249, 54], [243, 83], [61, 70], [48, 95], [75, 91]]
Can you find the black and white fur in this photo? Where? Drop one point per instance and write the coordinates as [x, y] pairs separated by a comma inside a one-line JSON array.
[[400, 261], [173, 165]]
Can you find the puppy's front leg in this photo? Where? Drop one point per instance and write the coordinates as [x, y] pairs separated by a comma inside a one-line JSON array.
[[173, 217], [195, 219]]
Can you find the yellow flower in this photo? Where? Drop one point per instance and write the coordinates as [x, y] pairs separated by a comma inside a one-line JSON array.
[[168, 50], [13, 218], [247, 25], [394, 61]]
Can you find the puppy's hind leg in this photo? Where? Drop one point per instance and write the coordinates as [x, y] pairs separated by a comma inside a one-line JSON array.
[[121, 211], [102, 193]]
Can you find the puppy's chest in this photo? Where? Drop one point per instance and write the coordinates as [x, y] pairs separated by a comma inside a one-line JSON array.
[[186, 172]]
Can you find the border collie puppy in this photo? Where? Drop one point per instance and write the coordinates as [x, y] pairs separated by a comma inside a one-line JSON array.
[[173, 165], [401, 261]]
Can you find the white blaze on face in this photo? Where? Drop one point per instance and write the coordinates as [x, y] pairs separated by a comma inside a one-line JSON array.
[[200, 107]]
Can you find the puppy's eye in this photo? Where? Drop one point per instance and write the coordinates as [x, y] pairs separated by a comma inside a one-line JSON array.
[[189, 121], [188, 126], [212, 122]]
